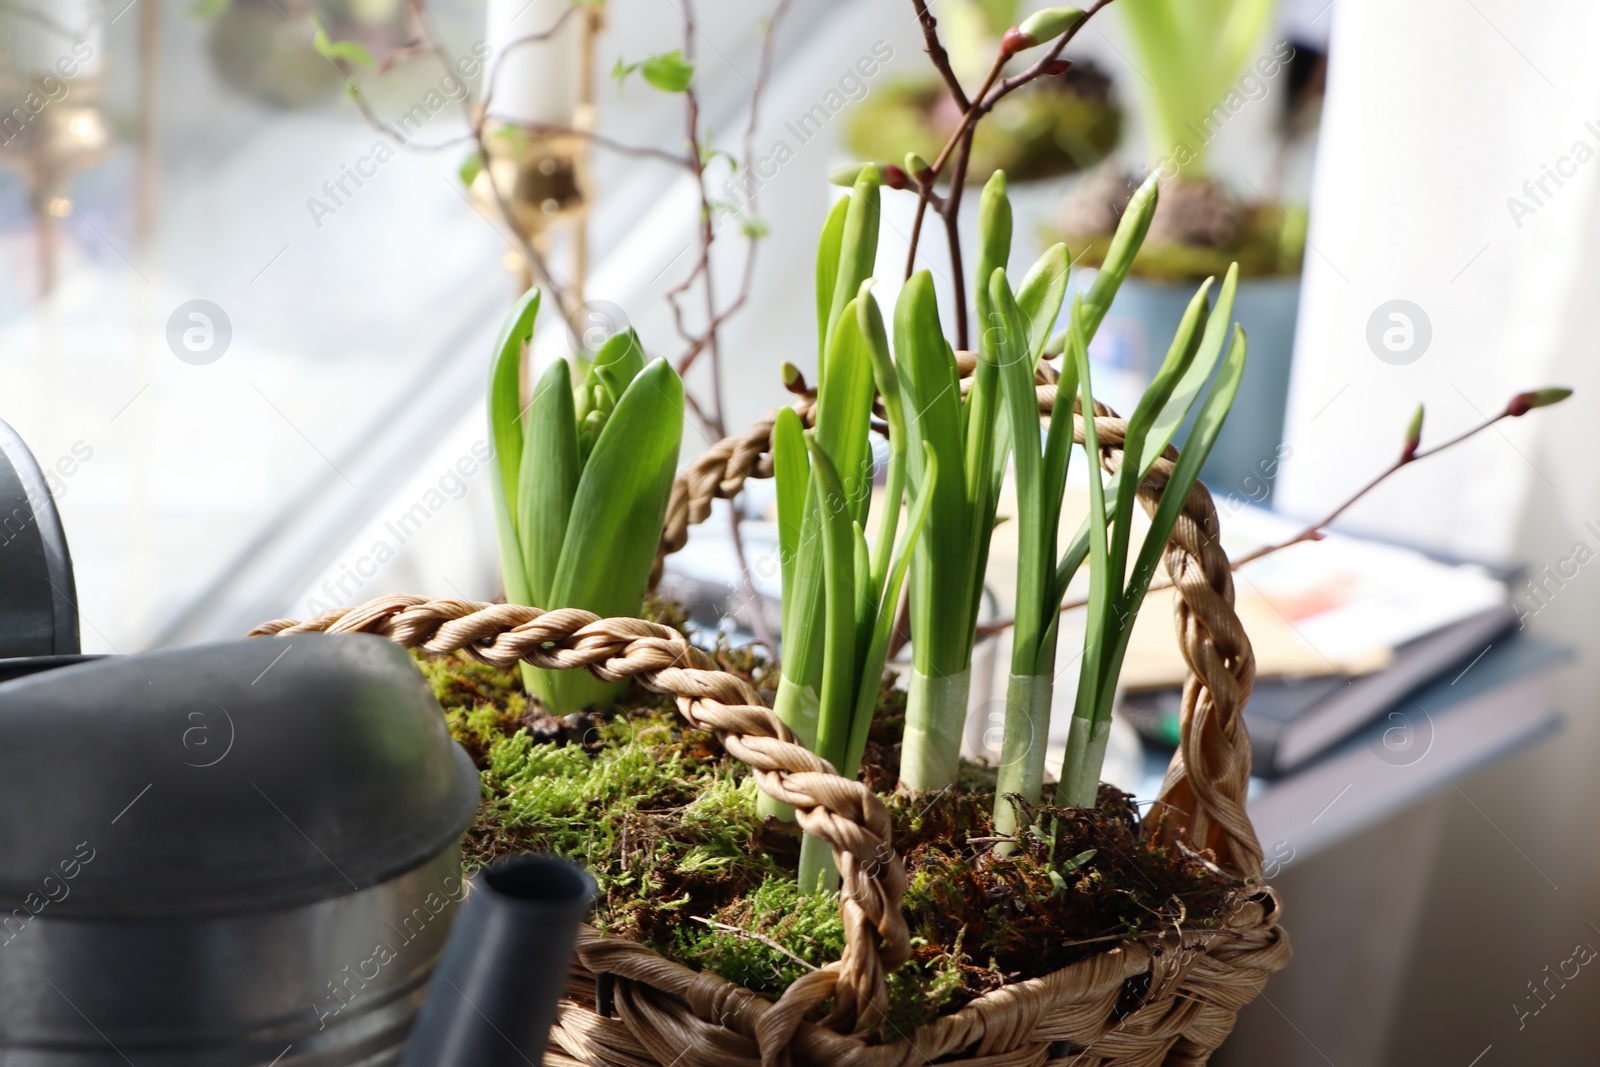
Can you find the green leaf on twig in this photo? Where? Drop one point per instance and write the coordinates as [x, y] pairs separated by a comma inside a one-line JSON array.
[[340, 51], [668, 71]]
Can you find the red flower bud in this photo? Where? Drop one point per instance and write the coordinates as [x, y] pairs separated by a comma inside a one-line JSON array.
[[1523, 403], [895, 178], [793, 379], [1413, 437], [1058, 67], [1014, 41]]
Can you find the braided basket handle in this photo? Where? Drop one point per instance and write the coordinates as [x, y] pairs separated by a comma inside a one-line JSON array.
[[840, 811], [1203, 796]]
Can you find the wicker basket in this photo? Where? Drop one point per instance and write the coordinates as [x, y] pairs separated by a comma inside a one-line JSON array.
[[1170, 999]]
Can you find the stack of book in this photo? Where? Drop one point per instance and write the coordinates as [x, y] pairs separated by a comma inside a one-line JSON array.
[[1383, 673]]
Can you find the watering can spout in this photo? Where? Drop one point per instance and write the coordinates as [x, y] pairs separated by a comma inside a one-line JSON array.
[[493, 996]]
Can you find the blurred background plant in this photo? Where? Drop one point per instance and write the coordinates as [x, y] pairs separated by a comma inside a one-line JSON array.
[[1204, 222], [259, 49], [1060, 124], [1187, 96]]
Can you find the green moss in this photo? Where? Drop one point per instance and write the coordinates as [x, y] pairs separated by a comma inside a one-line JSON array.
[[772, 936], [766, 939], [657, 813], [481, 703]]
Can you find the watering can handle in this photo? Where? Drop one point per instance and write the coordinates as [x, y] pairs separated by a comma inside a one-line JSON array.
[[38, 596]]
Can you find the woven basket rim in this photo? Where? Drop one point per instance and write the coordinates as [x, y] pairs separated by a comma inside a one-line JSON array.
[[1258, 904]]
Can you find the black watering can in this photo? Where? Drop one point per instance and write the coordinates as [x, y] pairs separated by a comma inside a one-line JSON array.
[[246, 854]]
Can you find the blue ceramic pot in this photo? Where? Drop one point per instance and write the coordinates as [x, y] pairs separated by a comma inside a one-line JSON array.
[[1133, 340]]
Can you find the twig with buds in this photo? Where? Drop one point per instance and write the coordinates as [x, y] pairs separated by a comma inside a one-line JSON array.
[[1410, 452], [1058, 24], [1518, 406]]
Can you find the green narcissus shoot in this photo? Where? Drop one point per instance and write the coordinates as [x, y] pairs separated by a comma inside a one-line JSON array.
[[973, 440], [1124, 247], [584, 477], [945, 570], [1115, 595], [822, 525], [968, 439], [1104, 539], [1041, 470], [845, 255]]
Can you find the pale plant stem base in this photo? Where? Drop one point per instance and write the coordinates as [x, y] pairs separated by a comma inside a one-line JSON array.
[[798, 707], [564, 692], [1022, 753], [1080, 771], [817, 872], [936, 717]]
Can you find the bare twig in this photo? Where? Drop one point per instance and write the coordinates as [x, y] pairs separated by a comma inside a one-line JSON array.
[[1408, 455], [753, 238], [758, 618], [420, 46], [970, 115], [916, 232], [950, 211], [609, 144], [493, 77], [600, 141], [959, 144], [1314, 532], [1043, 64], [702, 267], [936, 53], [751, 935], [476, 117]]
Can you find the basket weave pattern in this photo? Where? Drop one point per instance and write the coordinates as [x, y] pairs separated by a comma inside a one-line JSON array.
[[1166, 1000]]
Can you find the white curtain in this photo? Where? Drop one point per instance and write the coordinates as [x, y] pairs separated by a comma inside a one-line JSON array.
[[1459, 170]]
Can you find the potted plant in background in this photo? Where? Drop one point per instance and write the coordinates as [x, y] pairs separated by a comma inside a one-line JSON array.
[[1202, 66], [258, 47], [1059, 124]]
